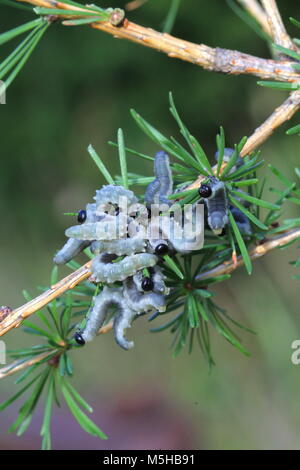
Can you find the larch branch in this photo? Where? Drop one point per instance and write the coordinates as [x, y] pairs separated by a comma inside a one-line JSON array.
[[15, 318], [19, 365], [278, 31], [220, 60], [225, 268], [283, 113], [255, 9], [257, 252], [212, 59]]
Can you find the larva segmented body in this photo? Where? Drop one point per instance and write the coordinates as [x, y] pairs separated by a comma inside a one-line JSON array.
[[143, 302], [159, 281], [217, 206], [137, 279], [157, 278], [110, 227], [162, 186], [101, 303], [71, 249], [240, 218], [182, 239], [112, 272], [181, 235], [126, 246], [135, 303], [111, 194], [227, 154], [122, 321], [176, 234]]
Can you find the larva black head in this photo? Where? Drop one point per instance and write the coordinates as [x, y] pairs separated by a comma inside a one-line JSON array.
[[162, 249], [79, 339], [205, 191], [147, 284], [81, 217]]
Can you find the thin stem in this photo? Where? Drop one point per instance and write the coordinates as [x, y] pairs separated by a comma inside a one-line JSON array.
[[14, 319], [257, 252], [254, 8], [278, 31], [213, 59], [17, 366], [283, 113]]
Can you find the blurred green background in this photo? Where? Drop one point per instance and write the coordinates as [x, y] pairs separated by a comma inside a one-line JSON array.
[[78, 88]]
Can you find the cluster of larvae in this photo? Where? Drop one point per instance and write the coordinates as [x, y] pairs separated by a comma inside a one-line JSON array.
[[127, 258]]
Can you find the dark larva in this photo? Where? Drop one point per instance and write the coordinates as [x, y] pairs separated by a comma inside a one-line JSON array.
[[162, 186], [241, 220], [217, 206], [227, 154], [143, 302], [112, 272]]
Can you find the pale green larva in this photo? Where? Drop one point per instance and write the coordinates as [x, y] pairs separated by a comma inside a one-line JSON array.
[[111, 272]]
